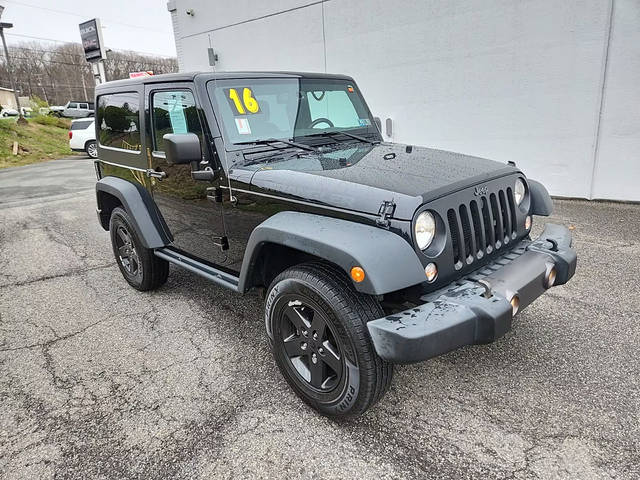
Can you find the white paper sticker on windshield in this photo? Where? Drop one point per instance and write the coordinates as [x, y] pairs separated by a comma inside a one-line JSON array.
[[242, 124]]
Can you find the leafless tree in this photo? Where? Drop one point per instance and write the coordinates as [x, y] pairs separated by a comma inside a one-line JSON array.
[[59, 74]]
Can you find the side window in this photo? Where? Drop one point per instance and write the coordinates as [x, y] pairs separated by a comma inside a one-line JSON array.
[[73, 105], [84, 106], [119, 121], [333, 104], [174, 112]]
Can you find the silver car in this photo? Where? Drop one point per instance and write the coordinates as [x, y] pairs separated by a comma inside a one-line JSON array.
[[78, 109]]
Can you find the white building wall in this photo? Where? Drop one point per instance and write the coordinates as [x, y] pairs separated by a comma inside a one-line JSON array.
[[617, 168], [552, 85]]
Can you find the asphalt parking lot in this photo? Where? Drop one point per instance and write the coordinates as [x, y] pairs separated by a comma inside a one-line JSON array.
[[98, 380]]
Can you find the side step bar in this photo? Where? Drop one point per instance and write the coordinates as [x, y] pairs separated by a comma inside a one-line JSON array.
[[218, 276]]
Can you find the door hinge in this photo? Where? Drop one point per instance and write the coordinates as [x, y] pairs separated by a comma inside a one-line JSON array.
[[385, 211], [222, 242], [156, 174]]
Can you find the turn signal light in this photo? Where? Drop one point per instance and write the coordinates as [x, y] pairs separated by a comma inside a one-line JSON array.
[[357, 274], [515, 304], [70, 134], [527, 222]]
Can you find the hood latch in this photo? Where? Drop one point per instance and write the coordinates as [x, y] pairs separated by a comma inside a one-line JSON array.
[[385, 212]]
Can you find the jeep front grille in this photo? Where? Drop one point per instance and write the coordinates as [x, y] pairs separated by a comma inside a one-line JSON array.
[[482, 226]]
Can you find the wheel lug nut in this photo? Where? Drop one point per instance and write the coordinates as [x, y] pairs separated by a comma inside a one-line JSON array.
[[315, 335], [321, 351], [314, 358], [305, 333], [303, 345]]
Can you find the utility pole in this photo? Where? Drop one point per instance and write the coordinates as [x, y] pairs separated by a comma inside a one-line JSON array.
[[84, 85], [3, 25]]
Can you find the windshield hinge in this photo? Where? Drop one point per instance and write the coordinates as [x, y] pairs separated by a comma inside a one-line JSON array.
[[386, 210]]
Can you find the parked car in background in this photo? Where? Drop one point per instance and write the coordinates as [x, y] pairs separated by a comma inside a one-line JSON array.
[[8, 112], [55, 110], [82, 137], [12, 112], [78, 109], [72, 109]]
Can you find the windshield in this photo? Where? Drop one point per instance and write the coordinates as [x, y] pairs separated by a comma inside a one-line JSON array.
[[252, 110]]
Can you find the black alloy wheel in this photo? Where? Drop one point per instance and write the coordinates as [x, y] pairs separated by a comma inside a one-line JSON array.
[[139, 266], [317, 327], [127, 254], [309, 343]]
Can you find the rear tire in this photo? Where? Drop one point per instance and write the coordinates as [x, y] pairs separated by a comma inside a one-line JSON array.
[[138, 265], [91, 149], [317, 327]]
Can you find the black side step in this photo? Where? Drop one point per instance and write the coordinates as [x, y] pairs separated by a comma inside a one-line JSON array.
[[218, 276]]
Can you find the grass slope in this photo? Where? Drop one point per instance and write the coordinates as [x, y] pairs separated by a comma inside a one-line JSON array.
[[45, 138]]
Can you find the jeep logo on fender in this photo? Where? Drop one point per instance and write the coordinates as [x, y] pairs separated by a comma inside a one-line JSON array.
[[481, 191]]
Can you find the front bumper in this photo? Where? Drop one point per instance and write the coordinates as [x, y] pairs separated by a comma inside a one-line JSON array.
[[476, 309]]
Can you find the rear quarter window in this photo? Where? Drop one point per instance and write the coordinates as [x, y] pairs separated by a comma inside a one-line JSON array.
[[81, 125], [118, 120]]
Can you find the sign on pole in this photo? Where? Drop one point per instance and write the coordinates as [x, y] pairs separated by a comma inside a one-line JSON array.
[[91, 35]]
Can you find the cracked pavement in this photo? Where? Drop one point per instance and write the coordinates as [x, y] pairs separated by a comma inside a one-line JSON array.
[[98, 380]]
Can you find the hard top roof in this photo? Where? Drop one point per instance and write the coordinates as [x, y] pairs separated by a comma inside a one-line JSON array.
[[190, 76]]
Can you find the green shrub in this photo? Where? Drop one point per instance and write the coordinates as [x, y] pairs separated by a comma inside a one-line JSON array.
[[52, 121], [45, 120]]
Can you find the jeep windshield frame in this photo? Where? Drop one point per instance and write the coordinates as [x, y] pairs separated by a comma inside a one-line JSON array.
[[250, 111]]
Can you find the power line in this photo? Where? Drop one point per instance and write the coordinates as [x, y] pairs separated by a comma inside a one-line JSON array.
[[65, 12], [82, 62], [86, 65], [81, 57], [149, 54]]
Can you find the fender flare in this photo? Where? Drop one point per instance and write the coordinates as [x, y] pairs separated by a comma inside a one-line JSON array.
[[388, 260], [136, 200], [541, 203]]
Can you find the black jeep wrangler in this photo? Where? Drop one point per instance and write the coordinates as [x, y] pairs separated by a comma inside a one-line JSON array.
[[368, 253]]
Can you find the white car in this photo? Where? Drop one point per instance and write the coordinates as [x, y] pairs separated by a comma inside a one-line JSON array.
[[12, 112], [82, 136], [78, 110]]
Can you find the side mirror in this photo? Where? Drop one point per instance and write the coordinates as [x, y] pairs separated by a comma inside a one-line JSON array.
[[182, 148]]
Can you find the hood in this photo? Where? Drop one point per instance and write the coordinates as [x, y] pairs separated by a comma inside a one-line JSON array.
[[361, 177]]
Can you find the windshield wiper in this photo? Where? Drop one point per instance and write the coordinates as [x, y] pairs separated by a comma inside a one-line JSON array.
[[352, 135], [271, 158], [269, 141]]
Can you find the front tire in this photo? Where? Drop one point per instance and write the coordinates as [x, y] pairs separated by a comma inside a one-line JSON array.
[[317, 327], [138, 265]]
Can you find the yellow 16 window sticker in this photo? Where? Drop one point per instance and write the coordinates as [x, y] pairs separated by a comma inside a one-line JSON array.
[[244, 105]]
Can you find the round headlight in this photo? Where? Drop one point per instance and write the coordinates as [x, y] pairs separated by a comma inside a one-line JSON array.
[[425, 229], [519, 191]]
